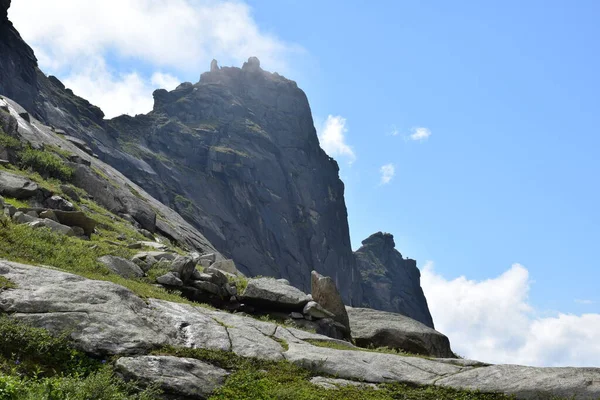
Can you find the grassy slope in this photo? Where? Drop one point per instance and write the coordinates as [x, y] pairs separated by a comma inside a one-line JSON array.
[[34, 365]]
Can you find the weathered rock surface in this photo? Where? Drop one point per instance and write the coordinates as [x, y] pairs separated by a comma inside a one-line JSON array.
[[105, 318], [19, 187], [372, 328], [334, 383], [53, 226], [121, 266], [270, 293], [325, 293], [391, 282], [530, 383], [185, 377]]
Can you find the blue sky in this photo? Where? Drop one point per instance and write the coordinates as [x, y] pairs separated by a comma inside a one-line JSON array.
[[503, 193]]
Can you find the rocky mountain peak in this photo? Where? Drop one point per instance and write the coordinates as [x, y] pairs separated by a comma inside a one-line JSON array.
[[4, 6], [380, 240], [390, 282]]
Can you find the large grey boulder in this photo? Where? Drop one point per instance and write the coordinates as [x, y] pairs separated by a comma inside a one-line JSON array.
[[76, 218], [184, 266], [389, 281], [325, 292], [19, 187], [121, 266], [103, 318], [181, 377], [58, 203], [530, 383], [53, 226], [270, 293], [372, 328]]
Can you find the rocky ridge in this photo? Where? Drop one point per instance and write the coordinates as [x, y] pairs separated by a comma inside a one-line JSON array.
[[58, 301]]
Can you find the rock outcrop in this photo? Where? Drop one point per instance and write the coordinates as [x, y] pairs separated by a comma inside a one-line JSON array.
[[108, 319], [373, 329], [391, 282]]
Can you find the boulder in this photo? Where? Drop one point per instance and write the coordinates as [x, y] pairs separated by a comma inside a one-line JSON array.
[[12, 185], [179, 377], [157, 255], [49, 214], [326, 294], [58, 203], [226, 266], [208, 287], [121, 266], [372, 328], [529, 383], [314, 310], [53, 226], [20, 217], [184, 266], [169, 279], [271, 294], [215, 276], [76, 218]]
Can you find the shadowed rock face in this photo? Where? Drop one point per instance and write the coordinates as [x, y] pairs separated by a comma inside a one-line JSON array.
[[390, 282], [238, 156]]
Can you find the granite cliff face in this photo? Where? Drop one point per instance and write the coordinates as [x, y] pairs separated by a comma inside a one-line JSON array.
[[390, 282], [237, 155]]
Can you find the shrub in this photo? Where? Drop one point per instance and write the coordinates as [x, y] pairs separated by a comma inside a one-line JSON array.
[[46, 164]]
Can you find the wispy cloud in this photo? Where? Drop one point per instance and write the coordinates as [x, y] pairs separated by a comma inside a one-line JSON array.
[[492, 320], [584, 301], [387, 172], [332, 137], [142, 36], [420, 134]]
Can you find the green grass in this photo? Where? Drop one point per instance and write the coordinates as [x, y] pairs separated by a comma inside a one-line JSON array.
[[16, 202], [59, 150], [8, 141], [341, 346], [37, 365], [24, 244], [46, 164], [240, 282], [253, 379], [6, 284]]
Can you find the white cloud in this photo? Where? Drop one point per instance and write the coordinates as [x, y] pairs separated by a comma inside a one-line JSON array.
[[156, 36], [584, 301], [117, 93], [332, 138], [164, 81], [387, 173], [420, 134], [492, 321]]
